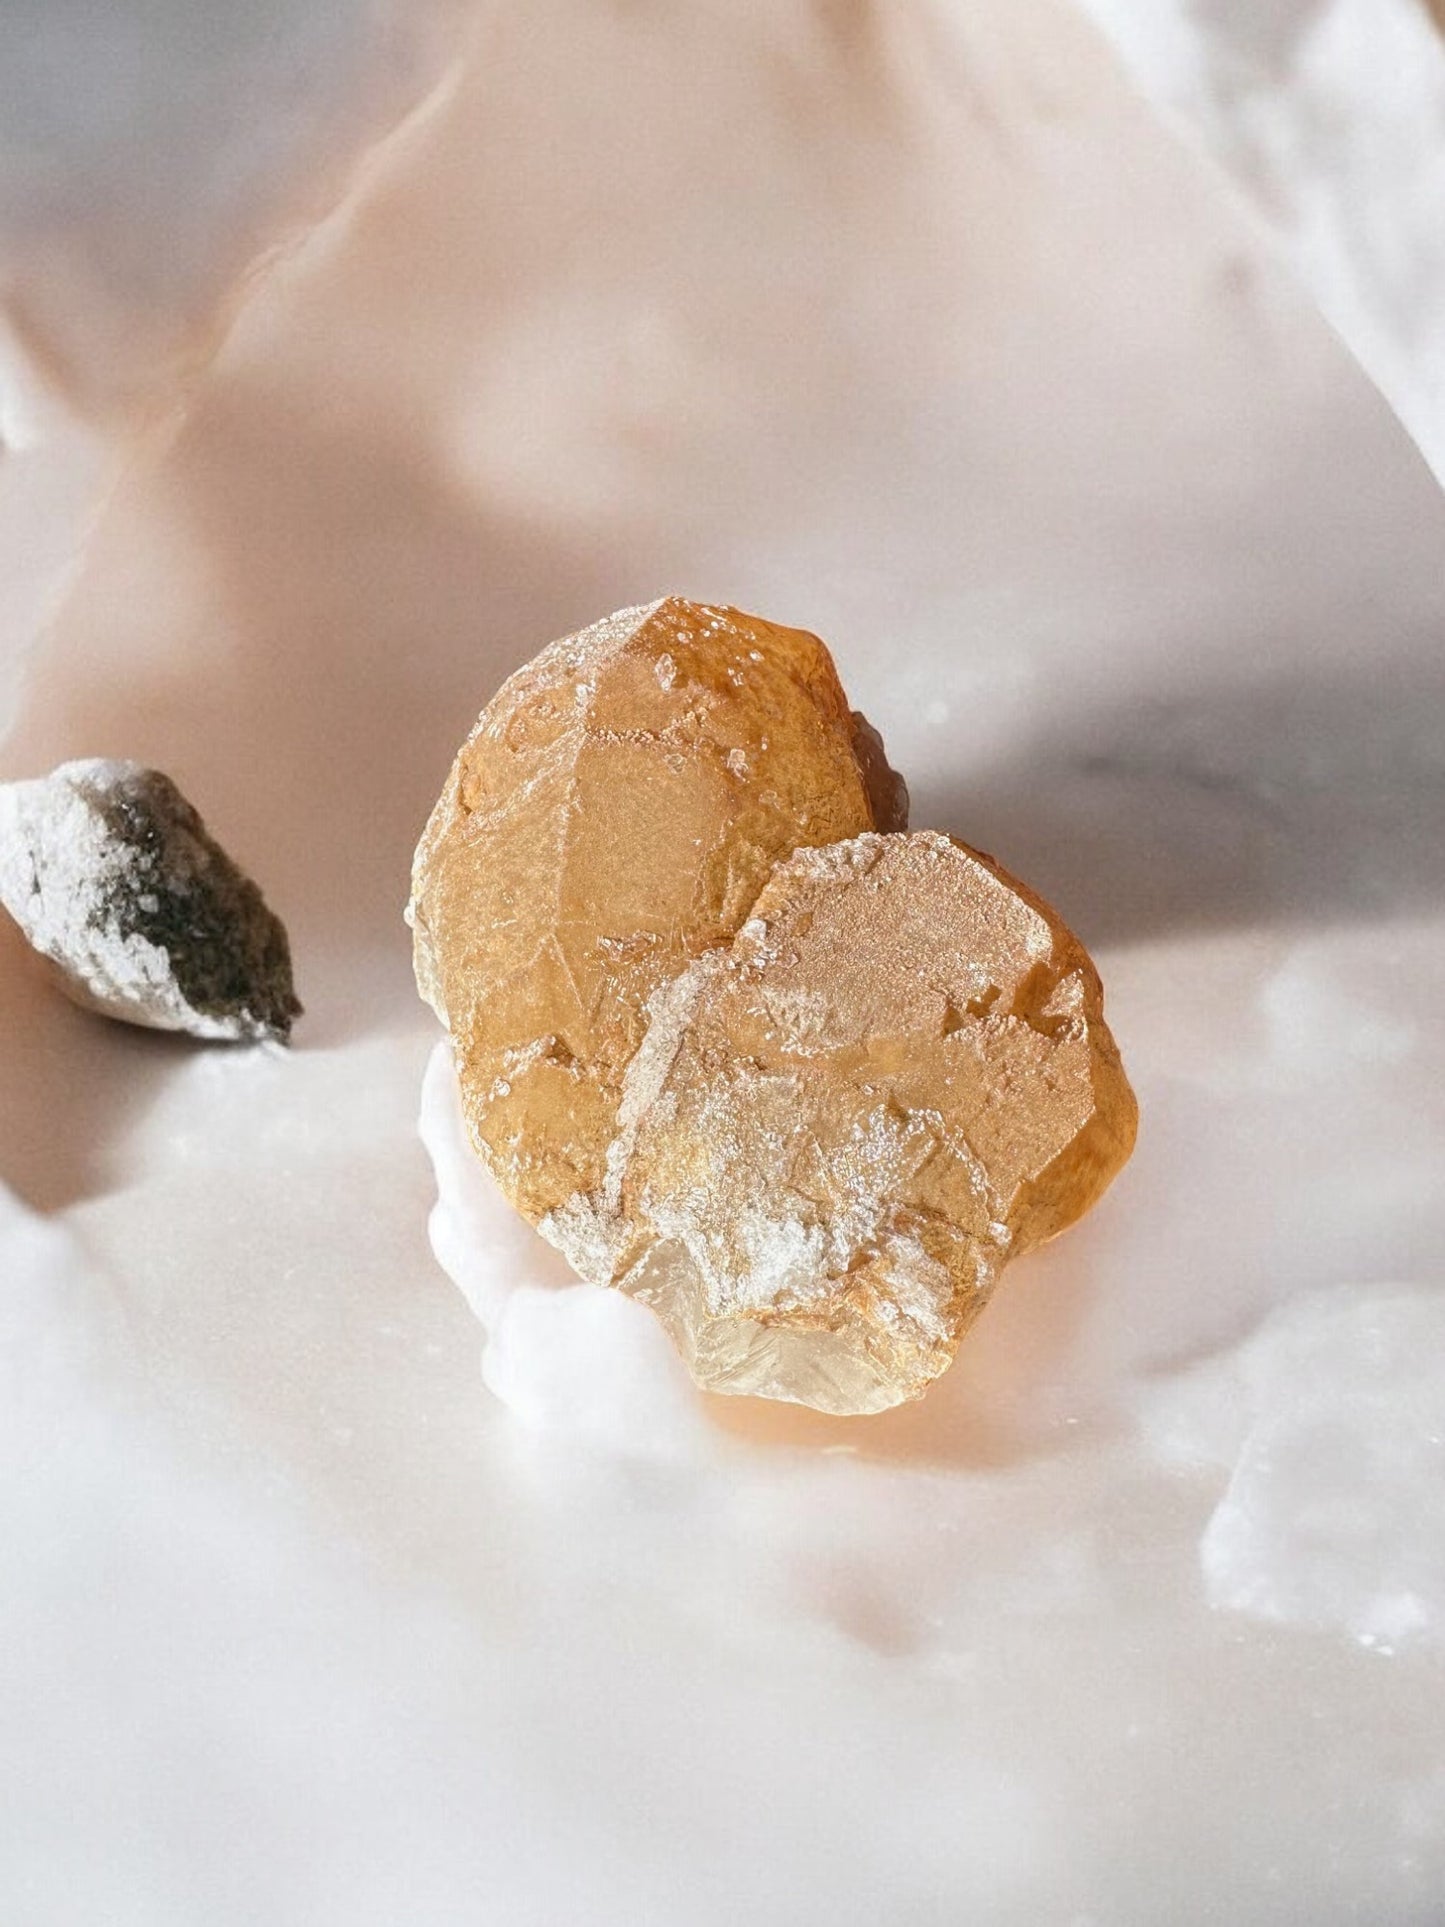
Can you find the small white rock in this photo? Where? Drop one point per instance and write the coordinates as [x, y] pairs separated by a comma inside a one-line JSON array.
[[1335, 1512], [112, 877]]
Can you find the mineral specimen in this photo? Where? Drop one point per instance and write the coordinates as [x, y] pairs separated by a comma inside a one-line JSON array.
[[110, 874], [731, 1037], [615, 812], [840, 1127]]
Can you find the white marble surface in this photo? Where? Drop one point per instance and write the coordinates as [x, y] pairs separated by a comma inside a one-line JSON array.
[[915, 326], [1326, 116]]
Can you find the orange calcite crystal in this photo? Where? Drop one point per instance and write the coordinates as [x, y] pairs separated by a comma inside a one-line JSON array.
[[733, 1039], [841, 1126], [618, 807]]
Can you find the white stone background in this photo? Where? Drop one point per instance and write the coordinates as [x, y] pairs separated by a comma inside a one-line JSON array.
[[1085, 396]]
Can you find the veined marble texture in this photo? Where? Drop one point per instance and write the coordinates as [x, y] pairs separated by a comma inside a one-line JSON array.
[[919, 327]]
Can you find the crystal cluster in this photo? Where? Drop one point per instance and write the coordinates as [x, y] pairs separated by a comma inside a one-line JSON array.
[[114, 880], [735, 1040]]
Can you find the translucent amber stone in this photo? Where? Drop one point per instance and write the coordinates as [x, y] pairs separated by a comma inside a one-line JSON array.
[[839, 1127], [733, 1039], [614, 814]]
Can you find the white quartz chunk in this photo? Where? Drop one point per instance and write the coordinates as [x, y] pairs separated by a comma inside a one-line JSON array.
[[110, 873]]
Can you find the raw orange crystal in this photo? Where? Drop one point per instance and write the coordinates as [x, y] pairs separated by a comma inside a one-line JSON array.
[[840, 1127], [618, 807], [801, 1086]]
